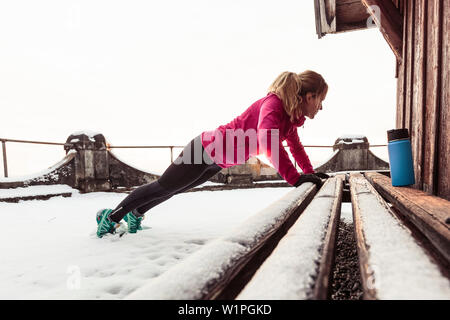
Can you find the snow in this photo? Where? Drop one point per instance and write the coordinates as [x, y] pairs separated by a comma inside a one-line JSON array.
[[36, 191], [188, 280], [50, 250], [401, 268], [270, 181], [191, 278], [347, 212], [288, 272], [91, 134], [351, 142], [352, 136]]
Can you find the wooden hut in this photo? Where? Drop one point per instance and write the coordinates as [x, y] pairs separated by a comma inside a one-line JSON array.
[[417, 32]]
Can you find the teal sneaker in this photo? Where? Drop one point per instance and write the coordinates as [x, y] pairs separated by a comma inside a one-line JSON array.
[[134, 223], [105, 225]]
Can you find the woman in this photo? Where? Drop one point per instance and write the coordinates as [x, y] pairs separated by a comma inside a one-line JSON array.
[[260, 129]]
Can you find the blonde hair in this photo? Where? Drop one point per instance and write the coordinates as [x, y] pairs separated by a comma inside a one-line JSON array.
[[290, 87]]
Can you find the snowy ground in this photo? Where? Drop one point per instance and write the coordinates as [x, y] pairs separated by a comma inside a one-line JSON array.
[[50, 250]]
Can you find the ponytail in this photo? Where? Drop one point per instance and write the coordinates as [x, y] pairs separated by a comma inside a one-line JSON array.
[[287, 87]]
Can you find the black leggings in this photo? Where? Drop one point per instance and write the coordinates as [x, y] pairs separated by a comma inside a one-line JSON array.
[[192, 168]]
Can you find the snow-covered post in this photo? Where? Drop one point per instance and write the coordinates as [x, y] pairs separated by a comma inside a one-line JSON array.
[[354, 150], [351, 152], [91, 161]]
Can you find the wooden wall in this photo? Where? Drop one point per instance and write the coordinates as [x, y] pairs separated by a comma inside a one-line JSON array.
[[423, 91]]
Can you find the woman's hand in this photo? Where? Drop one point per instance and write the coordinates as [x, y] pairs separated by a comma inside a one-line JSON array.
[[310, 177], [322, 175]]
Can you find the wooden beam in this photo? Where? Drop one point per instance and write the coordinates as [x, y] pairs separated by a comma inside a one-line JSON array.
[[350, 15], [418, 92], [431, 112], [401, 82], [409, 58], [322, 289], [443, 183], [366, 271], [325, 11], [387, 17]]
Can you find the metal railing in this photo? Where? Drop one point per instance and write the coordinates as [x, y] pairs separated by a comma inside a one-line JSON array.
[[5, 159]]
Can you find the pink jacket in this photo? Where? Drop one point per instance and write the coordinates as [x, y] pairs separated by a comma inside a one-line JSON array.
[[260, 129]]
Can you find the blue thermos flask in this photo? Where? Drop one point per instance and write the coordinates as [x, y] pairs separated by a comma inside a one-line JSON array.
[[400, 157]]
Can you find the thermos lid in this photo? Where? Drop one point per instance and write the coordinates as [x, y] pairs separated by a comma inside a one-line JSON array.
[[397, 134]]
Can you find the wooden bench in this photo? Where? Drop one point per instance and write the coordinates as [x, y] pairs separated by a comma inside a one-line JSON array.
[[427, 213], [300, 266], [286, 251], [221, 268], [393, 264]]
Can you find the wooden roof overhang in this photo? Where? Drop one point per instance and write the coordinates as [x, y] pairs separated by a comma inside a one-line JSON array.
[[336, 16]]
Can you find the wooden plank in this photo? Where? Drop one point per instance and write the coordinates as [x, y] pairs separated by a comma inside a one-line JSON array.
[[401, 81], [363, 253], [393, 264], [350, 12], [409, 63], [242, 272], [402, 7], [444, 127], [395, 3], [322, 289], [431, 106], [428, 213], [325, 13], [389, 21], [351, 26], [317, 19], [418, 91], [292, 267]]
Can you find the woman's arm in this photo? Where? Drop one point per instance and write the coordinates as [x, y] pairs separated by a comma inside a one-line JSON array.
[[270, 142], [298, 151]]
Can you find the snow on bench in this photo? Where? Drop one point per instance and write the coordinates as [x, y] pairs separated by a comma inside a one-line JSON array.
[[393, 265], [429, 214], [207, 273], [299, 267]]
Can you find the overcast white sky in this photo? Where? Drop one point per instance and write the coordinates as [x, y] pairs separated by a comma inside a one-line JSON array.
[[161, 72]]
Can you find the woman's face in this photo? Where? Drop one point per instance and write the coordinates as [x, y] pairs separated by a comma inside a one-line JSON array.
[[311, 104]]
